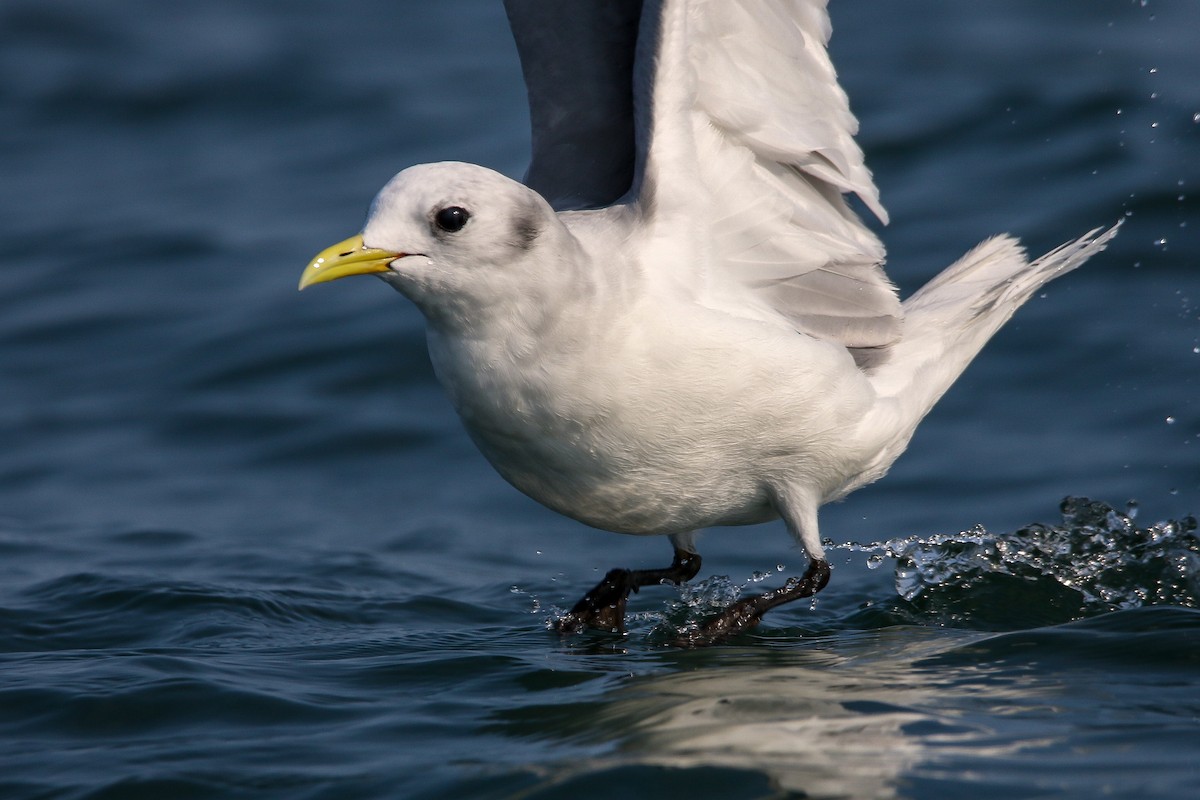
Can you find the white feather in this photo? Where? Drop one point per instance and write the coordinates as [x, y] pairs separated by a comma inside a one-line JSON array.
[[714, 343]]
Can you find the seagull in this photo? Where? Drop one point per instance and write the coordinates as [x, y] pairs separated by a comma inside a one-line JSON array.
[[677, 321]]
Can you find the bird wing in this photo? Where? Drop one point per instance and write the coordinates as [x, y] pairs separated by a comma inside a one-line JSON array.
[[724, 122], [577, 57]]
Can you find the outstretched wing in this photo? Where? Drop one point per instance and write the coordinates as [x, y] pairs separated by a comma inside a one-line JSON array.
[[732, 135], [577, 57]]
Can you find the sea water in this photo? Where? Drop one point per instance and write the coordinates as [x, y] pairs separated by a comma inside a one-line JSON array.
[[247, 552]]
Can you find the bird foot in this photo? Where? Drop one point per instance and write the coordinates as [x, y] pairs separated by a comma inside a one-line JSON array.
[[748, 612], [603, 608]]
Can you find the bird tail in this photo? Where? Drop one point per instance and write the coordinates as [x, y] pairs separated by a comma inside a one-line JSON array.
[[949, 320]]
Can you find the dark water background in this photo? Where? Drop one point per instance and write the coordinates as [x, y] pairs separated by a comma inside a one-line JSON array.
[[246, 551]]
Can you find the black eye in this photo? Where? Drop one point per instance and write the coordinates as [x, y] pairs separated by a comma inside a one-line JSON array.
[[451, 219]]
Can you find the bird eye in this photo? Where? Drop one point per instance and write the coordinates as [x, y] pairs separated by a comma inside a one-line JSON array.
[[451, 219]]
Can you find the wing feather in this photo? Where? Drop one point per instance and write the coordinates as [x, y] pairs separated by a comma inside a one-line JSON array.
[[577, 58], [725, 121]]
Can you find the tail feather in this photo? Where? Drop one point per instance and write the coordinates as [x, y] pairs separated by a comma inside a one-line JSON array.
[[949, 320]]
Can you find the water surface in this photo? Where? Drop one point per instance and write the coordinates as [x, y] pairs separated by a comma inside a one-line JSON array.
[[246, 550]]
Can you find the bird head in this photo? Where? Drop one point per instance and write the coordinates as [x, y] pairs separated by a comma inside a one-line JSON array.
[[457, 239]]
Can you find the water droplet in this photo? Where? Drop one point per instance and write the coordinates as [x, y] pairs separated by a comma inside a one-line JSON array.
[[874, 561], [1161, 242], [1196, 117], [1170, 420]]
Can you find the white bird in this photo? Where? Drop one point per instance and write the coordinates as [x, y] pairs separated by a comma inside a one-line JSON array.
[[677, 322]]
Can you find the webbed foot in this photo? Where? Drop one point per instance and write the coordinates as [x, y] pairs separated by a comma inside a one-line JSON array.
[[603, 608], [748, 612]]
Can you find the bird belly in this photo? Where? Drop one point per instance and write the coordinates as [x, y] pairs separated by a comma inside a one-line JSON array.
[[620, 466], [626, 484], [658, 438]]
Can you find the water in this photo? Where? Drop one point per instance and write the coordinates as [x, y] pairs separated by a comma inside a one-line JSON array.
[[246, 551]]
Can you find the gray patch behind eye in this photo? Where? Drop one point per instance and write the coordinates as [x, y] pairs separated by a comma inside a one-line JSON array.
[[525, 230]]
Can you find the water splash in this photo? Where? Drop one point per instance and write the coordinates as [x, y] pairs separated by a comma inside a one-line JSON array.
[[1098, 556], [697, 602], [1097, 560]]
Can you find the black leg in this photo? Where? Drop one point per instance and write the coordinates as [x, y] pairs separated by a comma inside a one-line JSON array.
[[747, 612], [604, 606]]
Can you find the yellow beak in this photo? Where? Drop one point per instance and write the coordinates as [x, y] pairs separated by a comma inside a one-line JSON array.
[[350, 257]]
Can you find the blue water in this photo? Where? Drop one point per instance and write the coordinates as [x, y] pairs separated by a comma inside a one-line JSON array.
[[246, 550]]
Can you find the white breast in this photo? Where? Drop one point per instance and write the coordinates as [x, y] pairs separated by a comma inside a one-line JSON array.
[[661, 424]]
